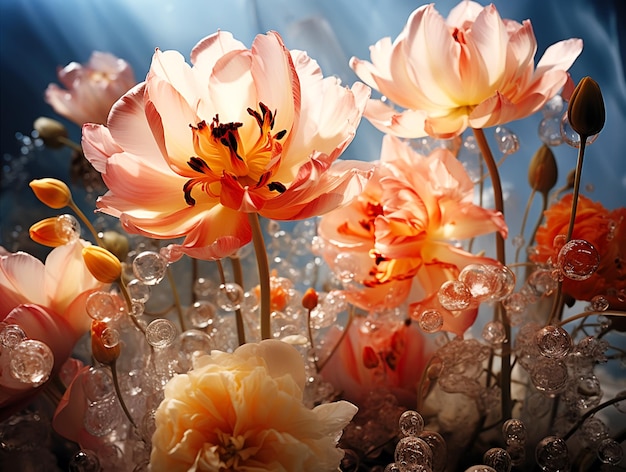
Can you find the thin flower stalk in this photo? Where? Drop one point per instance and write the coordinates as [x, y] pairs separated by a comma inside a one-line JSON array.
[[235, 262], [264, 274]]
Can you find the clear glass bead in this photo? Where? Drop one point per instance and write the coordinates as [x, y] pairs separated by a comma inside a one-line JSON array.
[[549, 376], [550, 131], [31, 362], [599, 303], [438, 447], [102, 417], [160, 333], [103, 306], [507, 141], [610, 452], [514, 432], [203, 287], [110, 337], [412, 452], [230, 296], [346, 267], [551, 454], [570, 136], [430, 321], [553, 107], [553, 342], [202, 314], [138, 291], [504, 279], [454, 295], [150, 267], [411, 423], [578, 259], [84, 461], [493, 333], [11, 335], [97, 384], [542, 283], [67, 228], [480, 280]]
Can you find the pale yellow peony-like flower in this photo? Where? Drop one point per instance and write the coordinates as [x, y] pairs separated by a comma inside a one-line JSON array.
[[244, 411]]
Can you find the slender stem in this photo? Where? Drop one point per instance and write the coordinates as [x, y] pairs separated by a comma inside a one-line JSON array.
[[116, 384], [177, 304], [70, 144], [524, 219], [235, 263], [310, 333], [618, 398], [544, 207], [85, 220], [264, 274], [586, 314], [344, 333], [505, 373], [194, 277]]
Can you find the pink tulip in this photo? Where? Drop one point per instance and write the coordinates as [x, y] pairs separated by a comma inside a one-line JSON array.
[[92, 89], [399, 232], [48, 303], [472, 69], [193, 149]]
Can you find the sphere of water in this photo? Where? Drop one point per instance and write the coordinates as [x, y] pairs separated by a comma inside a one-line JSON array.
[[11, 335], [411, 423], [160, 333], [578, 259], [430, 321], [494, 333], [101, 417], [203, 287], [412, 452], [504, 279], [150, 267], [553, 107], [508, 142], [498, 459], [98, 384], [480, 280], [103, 306], [549, 375], [570, 136], [202, 314], [514, 431], [230, 296], [67, 228], [553, 342], [454, 295], [542, 283], [138, 291], [84, 461], [346, 267], [610, 452], [31, 362], [551, 454], [550, 131], [438, 447], [110, 337], [599, 303]]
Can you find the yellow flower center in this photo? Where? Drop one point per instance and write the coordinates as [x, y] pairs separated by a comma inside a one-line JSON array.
[[221, 151]]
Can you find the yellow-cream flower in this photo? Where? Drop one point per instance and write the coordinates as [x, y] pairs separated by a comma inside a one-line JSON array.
[[243, 411]]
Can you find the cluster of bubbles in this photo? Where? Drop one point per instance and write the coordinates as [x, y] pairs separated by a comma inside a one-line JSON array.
[[554, 129]]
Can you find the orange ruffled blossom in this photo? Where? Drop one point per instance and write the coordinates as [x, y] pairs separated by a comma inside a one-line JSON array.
[[471, 69], [396, 238], [606, 230]]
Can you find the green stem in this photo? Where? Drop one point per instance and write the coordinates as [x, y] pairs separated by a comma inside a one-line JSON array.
[[264, 274], [86, 221], [70, 144], [118, 392], [177, 304], [238, 276], [505, 372]]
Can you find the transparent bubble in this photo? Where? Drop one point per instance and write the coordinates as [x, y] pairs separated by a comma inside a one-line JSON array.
[[570, 136], [31, 362], [161, 333], [514, 431], [549, 375], [454, 295], [586, 392], [578, 259], [494, 333], [110, 337], [202, 314], [67, 227], [103, 306], [84, 461], [518, 241], [599, 303], [230, 296], [430, 321], [610, 452], [150, 267], [346, 267], [412, 452], [138, 291], [593, 431], [553, 342], [480, 281], [504, 281], [514, 304], [11, 335], [550, 131], [438, 447], [551, 454], [508, 142], [542, 283], [101, 417], [203, 287], [193, 341], [98, 384], [553, 107], [411, 423]]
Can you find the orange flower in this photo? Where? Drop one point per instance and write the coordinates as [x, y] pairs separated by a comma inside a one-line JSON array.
[[606, 230], [92, 89], [472, 69], [401, 228], [239, 131]]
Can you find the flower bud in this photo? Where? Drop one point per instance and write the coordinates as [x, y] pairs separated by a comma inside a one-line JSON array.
[[542, 170], [585, 111], [103, 265], [101, 349], [52, 192], [310, 299], [116, 243], [46, 232], [52, 132]]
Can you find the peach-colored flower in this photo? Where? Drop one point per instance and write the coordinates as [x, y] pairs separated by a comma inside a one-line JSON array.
[[391, 356], [244, 411], [471, 69], [194, 148], [606, 230], [402, 226], [92, 89], [47, 302]]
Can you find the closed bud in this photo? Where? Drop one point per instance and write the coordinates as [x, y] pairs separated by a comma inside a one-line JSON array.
[[52, 132], [52, 192], [47, 232], [103, 265], [103, 348], [542, 170], [585, 111], [310, 299]]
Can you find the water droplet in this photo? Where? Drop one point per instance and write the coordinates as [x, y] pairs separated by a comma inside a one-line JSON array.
[[438, 447], [578, 259], [550, 131], [493, 333], [480, 280], [542, 283], [412, 452], [553, 342], [514, 304], [97, 384], [498, 458], [202, 314], [84, 461], [103, 306], [31, 362], [570, 136], [549, 375], [454, 295], [110, 337], [518, 241], [11, 335], [203, 287], [161, 333], [514, 431], [504, 280], [551, 454], [67, 228], [230, 296], [101, 417], [150, 267], [138, 291], [553, 107], [430, 321], [610, 452], [346, 267], [411, 423], [599, 303], [508, 142]]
